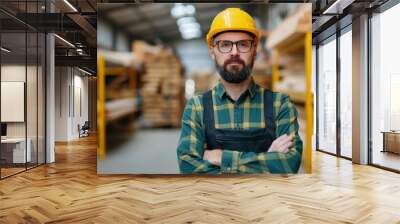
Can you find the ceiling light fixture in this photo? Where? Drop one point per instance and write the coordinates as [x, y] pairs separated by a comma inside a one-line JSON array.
[[64, 40], [190, 30], [337, 7], [180, 10], [191, 35], [84, 71], [185, 20], [5, 49], [189, 26], [70, 5]]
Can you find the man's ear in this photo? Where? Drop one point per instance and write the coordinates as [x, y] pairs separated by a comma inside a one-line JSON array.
[[255, 51], [211, 52]]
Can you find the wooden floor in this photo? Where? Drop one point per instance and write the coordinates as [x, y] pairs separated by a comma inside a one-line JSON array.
[[70, 191], [388, 159], [10, 171]]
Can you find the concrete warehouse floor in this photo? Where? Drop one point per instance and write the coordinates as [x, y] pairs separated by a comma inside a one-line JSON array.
[[149, 151]]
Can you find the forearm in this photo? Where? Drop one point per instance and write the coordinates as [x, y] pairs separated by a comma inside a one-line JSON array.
[[188, 164], [191, 143], [264, 162], [190, 156]]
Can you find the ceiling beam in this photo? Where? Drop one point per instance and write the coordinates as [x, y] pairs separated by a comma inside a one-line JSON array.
[[86, 61], [91, 5], [84, 24], [119, 6]]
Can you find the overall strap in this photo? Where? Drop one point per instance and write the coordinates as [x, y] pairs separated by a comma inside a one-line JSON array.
[[208, 120], [208, 111], [269, 118]]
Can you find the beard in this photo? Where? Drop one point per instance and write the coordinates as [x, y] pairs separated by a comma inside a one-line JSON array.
[[236, 76]]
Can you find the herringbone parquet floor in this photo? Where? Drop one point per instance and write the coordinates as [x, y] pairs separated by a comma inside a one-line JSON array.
[[70, 191]]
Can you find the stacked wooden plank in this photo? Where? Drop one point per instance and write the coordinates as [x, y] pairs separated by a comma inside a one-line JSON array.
[[292, 77], [204, 81], [262, 74], [163, 88]]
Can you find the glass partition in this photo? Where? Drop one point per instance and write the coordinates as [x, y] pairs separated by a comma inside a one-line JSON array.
[[14, 153], [346, 93], [22, 89], [327, 96], [385, 89]]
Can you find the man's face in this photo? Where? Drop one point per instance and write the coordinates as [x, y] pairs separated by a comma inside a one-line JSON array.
[[234, 66]]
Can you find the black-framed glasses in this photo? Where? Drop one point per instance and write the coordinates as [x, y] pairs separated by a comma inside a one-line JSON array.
[[243, 46]]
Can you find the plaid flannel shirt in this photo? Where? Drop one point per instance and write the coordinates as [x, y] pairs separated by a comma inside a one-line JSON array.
[[246, 113]]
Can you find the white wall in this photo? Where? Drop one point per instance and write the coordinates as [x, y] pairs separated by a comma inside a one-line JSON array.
[[16, 73], [80, 93], [61, 103], [33, 125], [70, 83]]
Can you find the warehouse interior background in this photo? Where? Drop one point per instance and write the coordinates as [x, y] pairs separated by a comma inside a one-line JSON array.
[[156, 57], [51, 60]]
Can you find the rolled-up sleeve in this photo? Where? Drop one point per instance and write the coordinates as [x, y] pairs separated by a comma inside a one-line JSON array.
[[191, 142]]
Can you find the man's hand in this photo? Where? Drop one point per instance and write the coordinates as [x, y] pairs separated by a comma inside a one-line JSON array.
[[281, 144], [213, 156]]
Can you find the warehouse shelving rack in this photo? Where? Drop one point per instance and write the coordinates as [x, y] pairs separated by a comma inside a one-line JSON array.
[[292, 40], [116, 99]]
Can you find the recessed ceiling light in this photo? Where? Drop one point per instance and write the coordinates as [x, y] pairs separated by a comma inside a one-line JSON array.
[[191, 35], [338, 6], [64, 40], [5, 49], [84, 71], [189, 26], [185, 20], [181, 10], [70, 5]]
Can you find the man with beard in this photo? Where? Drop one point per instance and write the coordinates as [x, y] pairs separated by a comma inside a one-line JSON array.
[[238, 127]]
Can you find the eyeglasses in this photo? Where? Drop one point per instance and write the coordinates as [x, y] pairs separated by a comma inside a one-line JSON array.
[[225, 46]]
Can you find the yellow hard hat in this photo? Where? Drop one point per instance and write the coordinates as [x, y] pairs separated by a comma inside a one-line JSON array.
[[232, 19]]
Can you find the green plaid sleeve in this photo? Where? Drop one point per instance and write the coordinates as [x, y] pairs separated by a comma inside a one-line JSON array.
[[191, 143], [270, 162]]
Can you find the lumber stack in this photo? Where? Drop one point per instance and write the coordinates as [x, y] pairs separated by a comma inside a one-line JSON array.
[[204, 81], [163, 87], [262, 74]]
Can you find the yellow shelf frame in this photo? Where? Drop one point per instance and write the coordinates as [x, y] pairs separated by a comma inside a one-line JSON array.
[[101, 99], [295, 37], [309, 100], [306, 98]]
